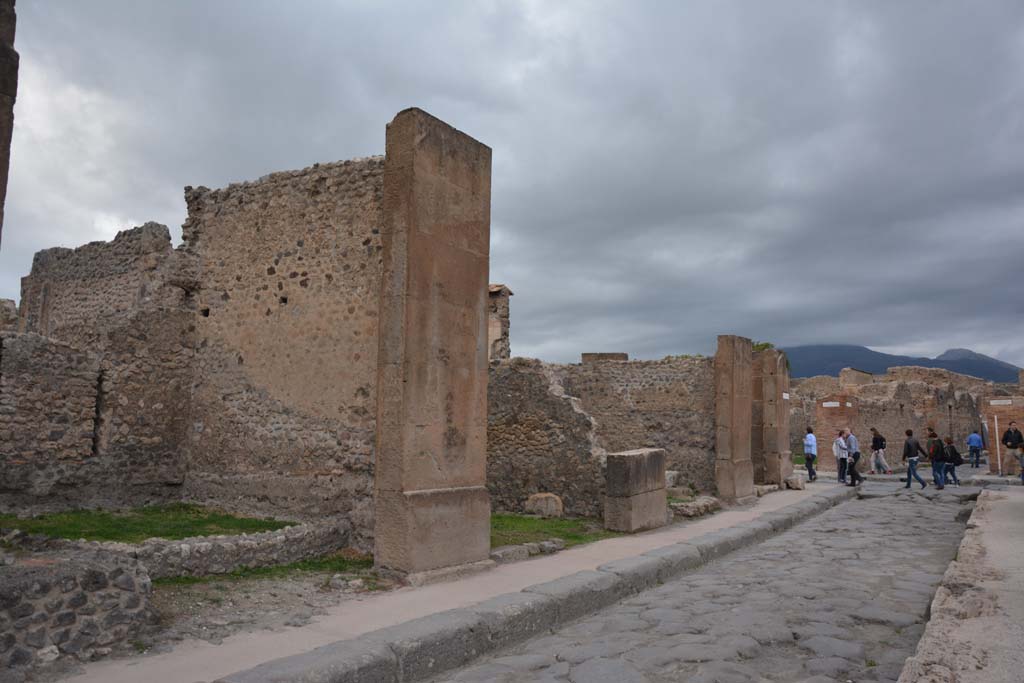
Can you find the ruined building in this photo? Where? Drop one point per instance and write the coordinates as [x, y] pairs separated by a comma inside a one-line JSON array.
[[903, 398], [243, 368]]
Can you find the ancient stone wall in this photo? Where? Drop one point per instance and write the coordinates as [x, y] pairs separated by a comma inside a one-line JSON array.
[[77, 295], [498, 345], [539, 440], [667, 403], [284, 402], [129, 301], [48, 398], [550, 426], [996, 414], [75, 606]]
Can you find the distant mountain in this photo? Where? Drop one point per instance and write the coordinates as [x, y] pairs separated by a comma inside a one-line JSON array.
[[829, 359]]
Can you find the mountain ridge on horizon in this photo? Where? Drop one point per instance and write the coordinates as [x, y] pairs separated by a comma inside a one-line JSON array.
[[828, 359]]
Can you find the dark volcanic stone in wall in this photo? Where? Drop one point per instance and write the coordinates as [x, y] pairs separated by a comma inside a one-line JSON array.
[[539, 440], [284, 401]]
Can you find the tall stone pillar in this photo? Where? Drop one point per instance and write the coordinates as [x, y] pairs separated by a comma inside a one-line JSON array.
[[734, 474], [8, 93], [431, 504], [770, 454]]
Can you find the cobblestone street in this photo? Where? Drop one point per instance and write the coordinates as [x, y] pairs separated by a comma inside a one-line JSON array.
[[842, 597]]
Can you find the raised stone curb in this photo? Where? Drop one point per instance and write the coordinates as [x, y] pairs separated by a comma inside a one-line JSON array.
[[425, 647], [205, 555], [524, 551]]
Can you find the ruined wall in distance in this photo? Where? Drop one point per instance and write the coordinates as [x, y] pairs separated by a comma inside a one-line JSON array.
[[539, 440], [667, 403], [903, 398], [284, 401], [498, 324]]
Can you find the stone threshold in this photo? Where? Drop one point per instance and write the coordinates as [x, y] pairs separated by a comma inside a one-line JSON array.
[[425, 647]]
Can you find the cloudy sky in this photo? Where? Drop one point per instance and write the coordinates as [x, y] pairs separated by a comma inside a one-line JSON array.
[[799, 172]]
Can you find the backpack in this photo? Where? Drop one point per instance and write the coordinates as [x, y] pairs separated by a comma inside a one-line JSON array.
[[953, 456], [936, 450]]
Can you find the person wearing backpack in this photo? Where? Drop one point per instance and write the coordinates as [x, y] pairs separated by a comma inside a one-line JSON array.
[[937, 454], [878, 463], [953, 460], [912, 453]]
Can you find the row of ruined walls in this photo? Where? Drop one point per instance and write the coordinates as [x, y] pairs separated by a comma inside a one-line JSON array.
[[551, 426], [904, 398], [238, 369]]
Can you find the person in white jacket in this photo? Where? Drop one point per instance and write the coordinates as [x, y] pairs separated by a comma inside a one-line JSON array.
[[842, 453]]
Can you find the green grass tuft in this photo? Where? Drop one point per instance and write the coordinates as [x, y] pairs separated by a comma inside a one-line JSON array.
[[173, 522], [509, 529], [344, 562]]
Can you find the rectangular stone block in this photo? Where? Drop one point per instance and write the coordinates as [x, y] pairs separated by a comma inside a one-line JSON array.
[[734, 474], [636, 513], [422, 530], [632, 472]]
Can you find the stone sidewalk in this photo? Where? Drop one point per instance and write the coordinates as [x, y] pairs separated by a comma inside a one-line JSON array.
[[201, 661], [976, 631]]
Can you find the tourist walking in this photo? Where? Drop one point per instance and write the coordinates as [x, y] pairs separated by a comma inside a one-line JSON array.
[[953, 460], [810, 453], [974, 445], [912, 453], [853, 449], [937, 454], [1013, 440], [878, 463], [840, 450]]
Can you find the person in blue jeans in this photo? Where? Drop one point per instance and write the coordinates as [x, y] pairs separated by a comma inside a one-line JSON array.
[[912, 453], [810, 453], [953, 460], [974, 445], [937, 452]]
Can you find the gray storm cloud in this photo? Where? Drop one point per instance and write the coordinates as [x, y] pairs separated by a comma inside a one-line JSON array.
[[800, 172]]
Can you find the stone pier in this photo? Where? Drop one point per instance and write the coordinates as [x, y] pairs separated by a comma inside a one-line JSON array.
[[770, 454], [8, 93], [734, 474], [636, 498], [432, 506]]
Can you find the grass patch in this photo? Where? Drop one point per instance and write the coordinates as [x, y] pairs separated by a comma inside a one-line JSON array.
[[799, 460], [343, 562], [177, 521], [682, 499], [515, 529]]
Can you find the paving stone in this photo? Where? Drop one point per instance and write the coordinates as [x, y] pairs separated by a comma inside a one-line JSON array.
[[606, 671]]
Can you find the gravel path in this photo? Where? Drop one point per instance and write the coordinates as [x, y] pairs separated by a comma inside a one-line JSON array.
[[842, 597]]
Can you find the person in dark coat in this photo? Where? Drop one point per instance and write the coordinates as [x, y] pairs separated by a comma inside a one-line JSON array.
[[937, 454], [912, 453]]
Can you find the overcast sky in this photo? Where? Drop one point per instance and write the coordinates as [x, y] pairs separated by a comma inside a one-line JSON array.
[[798, 172]]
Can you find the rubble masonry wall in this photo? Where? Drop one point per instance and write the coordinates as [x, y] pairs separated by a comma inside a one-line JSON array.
[[284, 402]]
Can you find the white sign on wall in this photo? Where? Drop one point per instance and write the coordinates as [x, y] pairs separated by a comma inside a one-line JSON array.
[[830, 404], [1001, 402], [785, 396], [849, 405]]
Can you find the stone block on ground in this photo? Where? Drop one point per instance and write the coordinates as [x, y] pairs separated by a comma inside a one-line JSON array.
[[544, 504], [636, 513], [632, 472], [795, 481]]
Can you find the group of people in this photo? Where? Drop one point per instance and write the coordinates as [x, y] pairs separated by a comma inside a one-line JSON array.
[[942, 453]]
